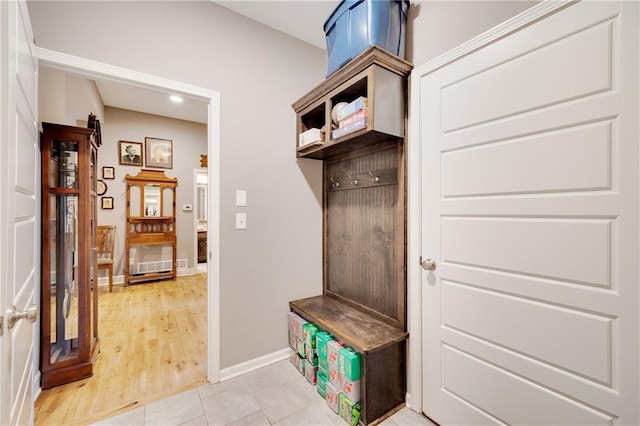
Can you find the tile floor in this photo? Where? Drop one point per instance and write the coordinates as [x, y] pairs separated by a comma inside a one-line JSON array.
[[273, 395]]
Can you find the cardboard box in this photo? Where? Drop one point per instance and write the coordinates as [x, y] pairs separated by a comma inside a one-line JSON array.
[[350, 373], [332, 396], [321, 382], [322, 338], [309, 332], [310, 355], [297, 361], [349, 410], [310, 373], [333, 351]]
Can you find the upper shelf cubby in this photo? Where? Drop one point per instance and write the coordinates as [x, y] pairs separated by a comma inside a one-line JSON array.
[[376, 75]]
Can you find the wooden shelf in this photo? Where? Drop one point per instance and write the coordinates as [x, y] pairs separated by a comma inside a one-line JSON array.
[[376, 75]]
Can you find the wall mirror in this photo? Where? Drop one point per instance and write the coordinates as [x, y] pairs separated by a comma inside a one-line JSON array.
[[152, 205]]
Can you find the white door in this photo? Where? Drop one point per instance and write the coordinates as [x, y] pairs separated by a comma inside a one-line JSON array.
[[19, 206], [530, 196]]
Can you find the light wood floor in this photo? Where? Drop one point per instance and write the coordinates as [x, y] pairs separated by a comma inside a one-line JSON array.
[[152, 345]]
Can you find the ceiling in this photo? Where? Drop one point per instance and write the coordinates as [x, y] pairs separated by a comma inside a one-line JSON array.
[[302, 19]]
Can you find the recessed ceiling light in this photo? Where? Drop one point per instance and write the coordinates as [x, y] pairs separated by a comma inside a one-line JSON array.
[[176, 99]]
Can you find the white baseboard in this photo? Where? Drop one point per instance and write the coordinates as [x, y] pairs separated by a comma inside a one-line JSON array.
[[254, 364]]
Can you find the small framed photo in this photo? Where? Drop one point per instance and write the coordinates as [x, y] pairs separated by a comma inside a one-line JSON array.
[[107, 203], [130, 153], [159, 153], [108, 172]]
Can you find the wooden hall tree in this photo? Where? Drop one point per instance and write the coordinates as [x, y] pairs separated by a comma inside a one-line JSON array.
[[364, 281]]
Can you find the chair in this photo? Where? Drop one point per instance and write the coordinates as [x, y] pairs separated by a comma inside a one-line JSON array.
[[106, 240]]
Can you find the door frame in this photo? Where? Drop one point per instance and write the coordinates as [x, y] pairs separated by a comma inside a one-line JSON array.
[[92, 69], [414, 179]]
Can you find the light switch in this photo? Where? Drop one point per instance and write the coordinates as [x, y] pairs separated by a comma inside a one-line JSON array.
[[241, 221], [241, 198], [187, 207]]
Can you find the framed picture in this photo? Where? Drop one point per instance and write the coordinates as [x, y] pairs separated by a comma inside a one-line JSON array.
[[130, 153], [107, 203], [108, 172], [159, 153], [101, 187]]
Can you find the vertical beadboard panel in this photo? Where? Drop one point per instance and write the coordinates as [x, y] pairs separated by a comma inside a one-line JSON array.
[[363, 235]]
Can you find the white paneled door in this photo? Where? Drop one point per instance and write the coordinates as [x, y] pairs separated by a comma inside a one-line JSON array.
[[530, 210], [19, 217]]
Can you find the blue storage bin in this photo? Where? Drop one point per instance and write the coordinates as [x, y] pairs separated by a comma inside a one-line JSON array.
[[356, 25]]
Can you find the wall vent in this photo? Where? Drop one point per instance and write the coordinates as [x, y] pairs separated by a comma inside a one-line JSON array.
[[159, 266]]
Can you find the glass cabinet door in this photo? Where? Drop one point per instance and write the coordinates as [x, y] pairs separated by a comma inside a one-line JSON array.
[[63, 251]]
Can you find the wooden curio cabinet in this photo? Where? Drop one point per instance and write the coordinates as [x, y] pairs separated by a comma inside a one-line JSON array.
[[69, 329]]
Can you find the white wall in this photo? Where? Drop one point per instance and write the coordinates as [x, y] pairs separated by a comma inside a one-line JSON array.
[[259, 73]]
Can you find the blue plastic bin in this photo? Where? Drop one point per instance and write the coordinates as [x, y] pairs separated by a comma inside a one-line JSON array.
[[356, 25]]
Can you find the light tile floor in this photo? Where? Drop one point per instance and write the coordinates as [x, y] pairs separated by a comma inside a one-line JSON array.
[[273, 395]]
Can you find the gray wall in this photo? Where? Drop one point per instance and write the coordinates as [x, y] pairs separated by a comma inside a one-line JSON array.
[[259, 73], [189, 140]]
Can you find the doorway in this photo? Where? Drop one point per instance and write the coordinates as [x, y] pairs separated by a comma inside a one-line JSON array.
[[201, 184], [96, 70]]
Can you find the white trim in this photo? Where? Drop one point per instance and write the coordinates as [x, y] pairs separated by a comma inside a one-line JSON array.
[[414, 213], [93, 69], [254, 364]]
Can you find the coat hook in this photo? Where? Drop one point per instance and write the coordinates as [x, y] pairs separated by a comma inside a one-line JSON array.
[[334, 184], [353, 181], [375, 178]]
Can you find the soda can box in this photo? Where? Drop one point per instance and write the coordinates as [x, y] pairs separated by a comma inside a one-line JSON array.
[[296, 324], [300, 348], [333, 351], [350, 389], [310, 355], [292, 340], [322, 338], [309, 334], [349, 363], [321, 382], [332, 396], [297, 361], [310, 373], [349, 410]]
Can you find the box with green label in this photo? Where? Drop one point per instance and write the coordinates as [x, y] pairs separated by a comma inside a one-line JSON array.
[[309, 332], [321, 382], [349, 410], [322, 338], [349, 370]]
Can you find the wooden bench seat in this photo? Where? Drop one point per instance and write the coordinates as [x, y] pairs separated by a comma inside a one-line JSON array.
[[382, 347]]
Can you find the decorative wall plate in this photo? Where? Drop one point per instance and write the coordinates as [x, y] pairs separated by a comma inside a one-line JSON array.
[[101, 187]]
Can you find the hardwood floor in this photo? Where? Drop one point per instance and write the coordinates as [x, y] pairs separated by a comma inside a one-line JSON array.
[[152, 345]]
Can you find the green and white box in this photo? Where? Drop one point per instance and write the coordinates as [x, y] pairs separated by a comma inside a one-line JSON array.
[[321, 348], [349, 410], [321, 382], [309, 332], [349, 370]]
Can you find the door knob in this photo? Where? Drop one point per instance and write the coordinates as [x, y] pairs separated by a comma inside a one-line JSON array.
[[428, 264], [31, 315]]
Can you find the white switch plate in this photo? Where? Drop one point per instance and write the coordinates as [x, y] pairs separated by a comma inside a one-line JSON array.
[[187, 207], [241, 198], [241, 221]]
